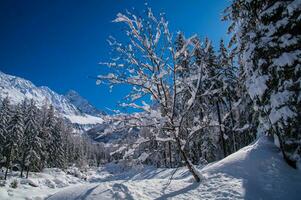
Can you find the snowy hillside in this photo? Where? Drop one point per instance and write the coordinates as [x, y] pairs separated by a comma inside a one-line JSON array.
[[254, 172], [17, 89]]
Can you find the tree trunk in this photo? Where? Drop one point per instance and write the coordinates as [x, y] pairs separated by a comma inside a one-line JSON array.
[[169, 151], [220, 128], [8, 163], [232, 124], [22, 169], [290, 162], [22, 165], [187, 162], [6, 172], [165, 154], [27, 171]]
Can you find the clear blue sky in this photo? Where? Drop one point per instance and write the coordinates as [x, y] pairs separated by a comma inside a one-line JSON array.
[[59, 43]]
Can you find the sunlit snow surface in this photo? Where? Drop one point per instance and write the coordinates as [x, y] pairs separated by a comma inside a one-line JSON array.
[[255, 172]]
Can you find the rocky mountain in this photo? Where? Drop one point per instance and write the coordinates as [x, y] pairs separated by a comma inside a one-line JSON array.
[[72, 106], [82, 104]]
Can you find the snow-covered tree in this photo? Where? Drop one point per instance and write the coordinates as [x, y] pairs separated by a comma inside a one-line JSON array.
[[44, 133], [216, 80], [31, 142], [267, 34], [147, 62], [5, 115], [57, 146], [48, 127], [207, 138], [228, 77], [15, 132]]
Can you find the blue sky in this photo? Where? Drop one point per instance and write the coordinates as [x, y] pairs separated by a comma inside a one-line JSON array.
[[60, 43]]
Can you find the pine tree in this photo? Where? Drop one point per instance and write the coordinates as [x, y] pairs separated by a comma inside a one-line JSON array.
[[183, 59], [5, 116], [48, 131], [14, 137], [246, 117], [227, 76], [44, 135], [206, 142], [56, 148], [212, 62], [269, 43], [31, 142], [67, 145], [214, 84], [23, 143]]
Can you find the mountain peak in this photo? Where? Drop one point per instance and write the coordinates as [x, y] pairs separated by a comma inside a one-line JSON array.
[[82, 104], [72, 92]]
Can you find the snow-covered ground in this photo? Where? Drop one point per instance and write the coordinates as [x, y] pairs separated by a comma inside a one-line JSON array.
[[39, 185], [254, 172]]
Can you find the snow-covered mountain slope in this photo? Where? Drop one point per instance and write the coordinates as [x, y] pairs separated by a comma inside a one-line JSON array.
[[82, 104], [17, 89], [255, 172]]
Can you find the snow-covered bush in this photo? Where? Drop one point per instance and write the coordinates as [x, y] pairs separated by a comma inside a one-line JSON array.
[[14, 183], [2, 183]]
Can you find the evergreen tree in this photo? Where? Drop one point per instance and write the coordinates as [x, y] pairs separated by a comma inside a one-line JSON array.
[[227, 76], [206, 137], [57, 154], [14, 137], [246, 117], [48, 131], [5, 115], [269, 43], [44, 135], [31, 148], [214, 85], [183, 59]]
